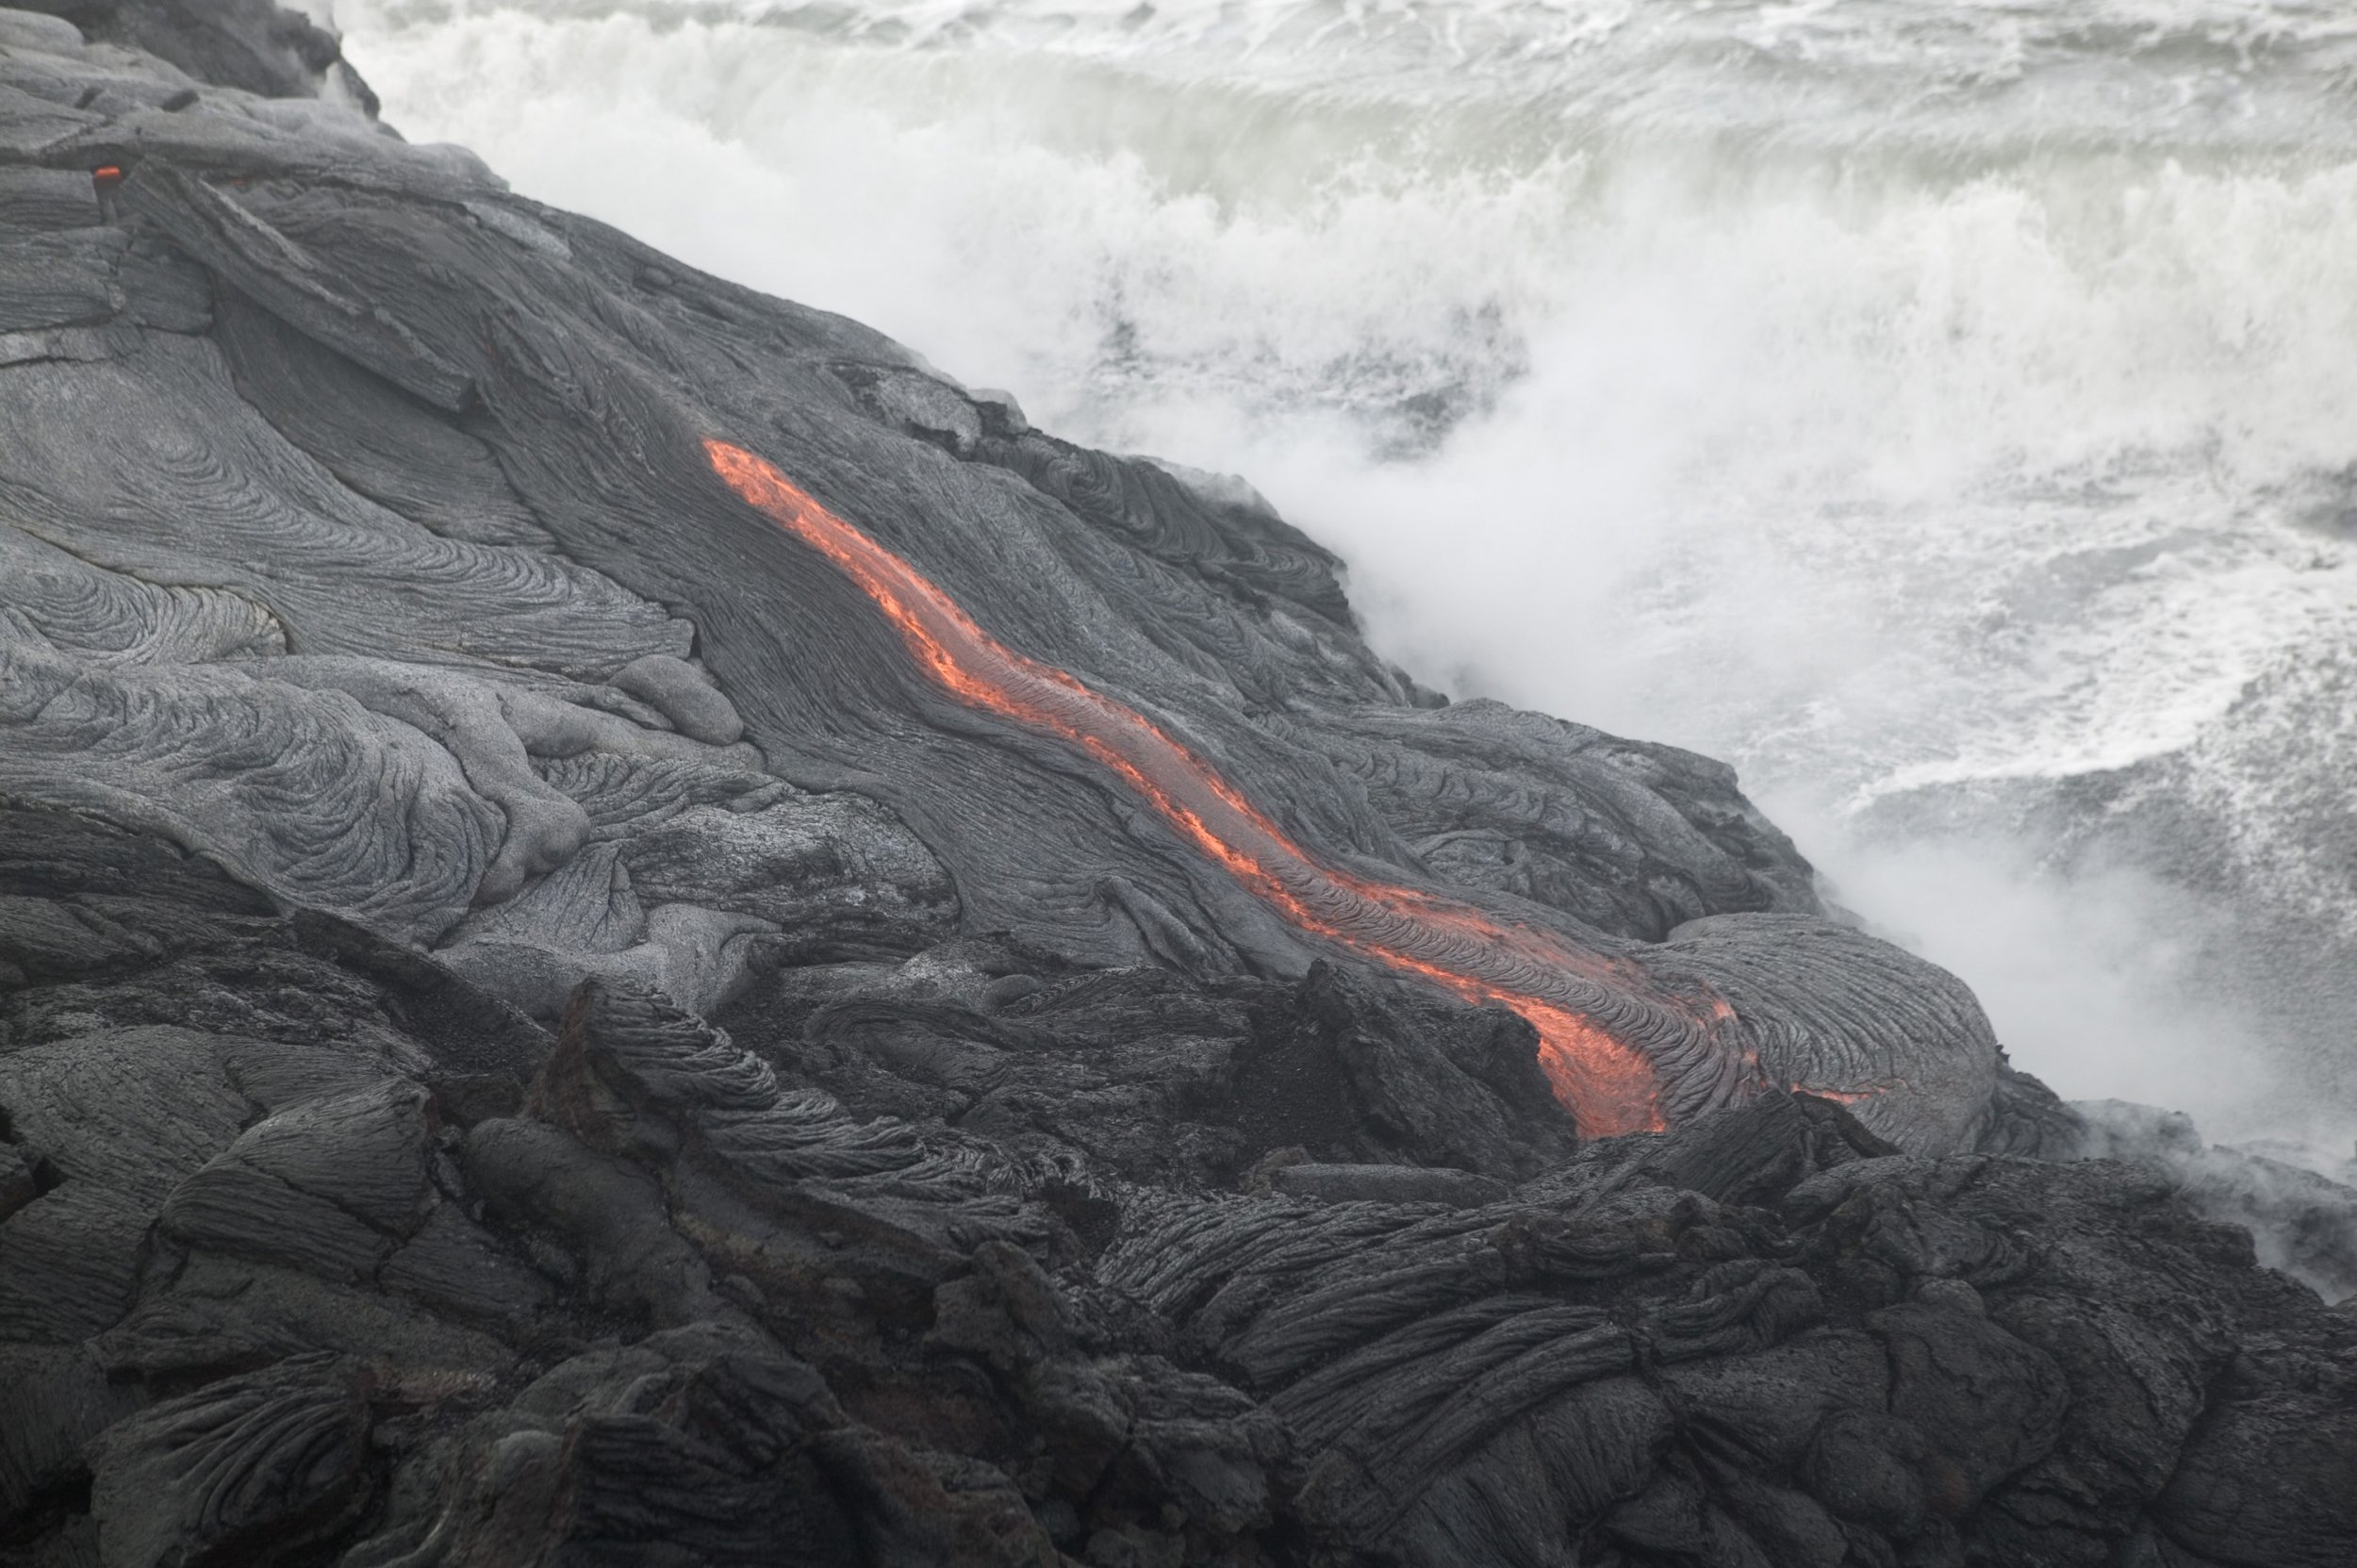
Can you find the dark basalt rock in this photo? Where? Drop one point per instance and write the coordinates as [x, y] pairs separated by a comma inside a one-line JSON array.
[[353, 1263], [531, 1033], [258, 45], [564, 705]]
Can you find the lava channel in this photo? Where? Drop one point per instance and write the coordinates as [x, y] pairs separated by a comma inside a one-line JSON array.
[[1609, 1085]]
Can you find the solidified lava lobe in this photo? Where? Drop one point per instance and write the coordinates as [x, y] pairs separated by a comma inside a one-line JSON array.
[[1608, 1085]]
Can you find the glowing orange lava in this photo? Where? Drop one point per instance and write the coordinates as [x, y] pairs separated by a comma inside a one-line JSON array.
[[1608, 1085]]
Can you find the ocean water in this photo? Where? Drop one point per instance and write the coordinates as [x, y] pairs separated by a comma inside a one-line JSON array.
[[1946, 410]]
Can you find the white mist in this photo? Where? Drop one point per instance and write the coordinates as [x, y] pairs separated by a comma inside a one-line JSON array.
[[1899, 402]]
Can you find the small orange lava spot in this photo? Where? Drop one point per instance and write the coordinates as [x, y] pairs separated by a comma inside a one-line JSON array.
[[107, 174], [1608, 1085]]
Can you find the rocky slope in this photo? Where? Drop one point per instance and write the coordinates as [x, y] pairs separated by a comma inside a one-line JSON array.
[[633, 929], [369, 513]]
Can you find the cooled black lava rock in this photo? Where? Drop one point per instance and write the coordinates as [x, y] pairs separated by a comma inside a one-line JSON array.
[[327, 1256], [258, 45], [361, 533], [532, 1032]]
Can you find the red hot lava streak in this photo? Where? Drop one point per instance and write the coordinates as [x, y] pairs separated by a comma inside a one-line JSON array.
[[1608, 1086]]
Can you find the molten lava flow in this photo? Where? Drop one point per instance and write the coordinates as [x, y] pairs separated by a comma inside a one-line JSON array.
[[1608, 1086]]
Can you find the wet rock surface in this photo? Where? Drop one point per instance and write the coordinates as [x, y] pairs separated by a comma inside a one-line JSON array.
[[531, 1033]]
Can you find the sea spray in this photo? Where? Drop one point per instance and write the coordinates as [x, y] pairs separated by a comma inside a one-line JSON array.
[[1939, 412]]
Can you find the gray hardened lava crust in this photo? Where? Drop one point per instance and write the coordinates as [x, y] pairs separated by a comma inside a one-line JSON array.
[[918, 995]]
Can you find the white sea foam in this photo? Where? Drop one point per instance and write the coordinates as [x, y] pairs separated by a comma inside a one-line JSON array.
[[1914, 402]]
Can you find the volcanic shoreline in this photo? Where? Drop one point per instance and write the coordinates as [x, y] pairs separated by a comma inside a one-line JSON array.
[[635, 929]]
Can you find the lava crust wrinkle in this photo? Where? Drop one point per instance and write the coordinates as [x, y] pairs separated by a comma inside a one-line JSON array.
[[490, 479], [1606, 1084], [568, 998], [1607, 1079]]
